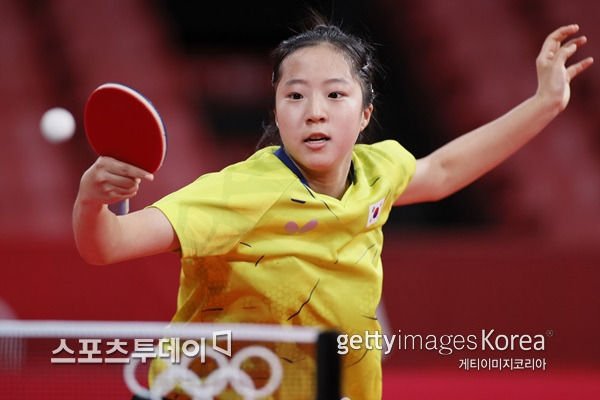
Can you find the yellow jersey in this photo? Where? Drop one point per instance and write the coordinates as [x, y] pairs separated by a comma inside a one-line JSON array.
[[258, 245]]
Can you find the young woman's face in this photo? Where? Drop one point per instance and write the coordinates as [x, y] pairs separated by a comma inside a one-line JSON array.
[[318, 109]]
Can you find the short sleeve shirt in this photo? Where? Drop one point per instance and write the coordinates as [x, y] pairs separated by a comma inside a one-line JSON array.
[[260, 246]]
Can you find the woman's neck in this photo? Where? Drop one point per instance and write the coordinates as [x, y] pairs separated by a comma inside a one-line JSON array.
[[331, 183]]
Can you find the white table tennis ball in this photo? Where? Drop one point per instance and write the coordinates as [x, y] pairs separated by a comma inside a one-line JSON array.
[[57, 125]]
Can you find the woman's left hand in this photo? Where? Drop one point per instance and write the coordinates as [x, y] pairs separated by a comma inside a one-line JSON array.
[[554, 76]]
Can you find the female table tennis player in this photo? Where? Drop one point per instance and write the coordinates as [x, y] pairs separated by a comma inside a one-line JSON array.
[[293, 235]]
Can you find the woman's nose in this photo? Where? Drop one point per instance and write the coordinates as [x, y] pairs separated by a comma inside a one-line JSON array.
[[316, 111]]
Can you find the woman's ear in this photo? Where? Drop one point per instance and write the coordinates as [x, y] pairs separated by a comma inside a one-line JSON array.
[[366, 117]]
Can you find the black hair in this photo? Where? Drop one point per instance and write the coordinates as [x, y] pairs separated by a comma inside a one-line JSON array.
[[357, 52]]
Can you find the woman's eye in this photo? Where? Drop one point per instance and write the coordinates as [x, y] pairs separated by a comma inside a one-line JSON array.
[[335, 95], [295, 96]]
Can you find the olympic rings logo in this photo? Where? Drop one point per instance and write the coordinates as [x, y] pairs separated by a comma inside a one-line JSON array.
[[228, 372]]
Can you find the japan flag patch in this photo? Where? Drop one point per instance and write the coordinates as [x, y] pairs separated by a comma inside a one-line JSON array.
[[375, 212]]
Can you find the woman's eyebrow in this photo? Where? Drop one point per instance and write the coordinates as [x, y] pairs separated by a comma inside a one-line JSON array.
[[294, 81], [337, 80]]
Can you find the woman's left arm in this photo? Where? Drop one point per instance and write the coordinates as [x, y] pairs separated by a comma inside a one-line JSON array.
[[463, 160]]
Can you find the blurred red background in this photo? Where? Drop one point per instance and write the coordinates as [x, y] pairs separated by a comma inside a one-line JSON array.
[[516, 252]]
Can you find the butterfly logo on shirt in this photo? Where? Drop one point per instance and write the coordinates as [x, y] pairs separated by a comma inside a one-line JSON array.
[[292, 227]]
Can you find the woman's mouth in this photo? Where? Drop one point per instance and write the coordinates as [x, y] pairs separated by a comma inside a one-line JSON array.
[[316, 138]]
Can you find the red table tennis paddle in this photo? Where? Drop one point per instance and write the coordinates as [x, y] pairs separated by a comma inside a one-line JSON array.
[[122, 124]]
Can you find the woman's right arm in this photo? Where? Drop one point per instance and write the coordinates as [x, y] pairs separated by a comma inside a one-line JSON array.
[[104, 238]]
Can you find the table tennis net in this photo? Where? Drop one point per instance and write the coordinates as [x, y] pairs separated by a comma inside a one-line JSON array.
[[146, 360]]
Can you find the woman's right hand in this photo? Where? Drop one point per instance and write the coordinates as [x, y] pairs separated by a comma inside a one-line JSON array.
[[109, 180], [101, 236]]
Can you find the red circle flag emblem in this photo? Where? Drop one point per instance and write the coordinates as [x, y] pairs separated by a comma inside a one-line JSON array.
[[375, 212]]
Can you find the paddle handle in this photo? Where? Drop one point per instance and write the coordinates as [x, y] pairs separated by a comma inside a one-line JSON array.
[[120, 207]]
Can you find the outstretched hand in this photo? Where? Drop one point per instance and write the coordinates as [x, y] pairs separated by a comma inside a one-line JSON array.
[[554, 76]]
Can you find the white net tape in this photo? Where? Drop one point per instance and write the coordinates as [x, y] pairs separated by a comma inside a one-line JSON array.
[[128, 329]]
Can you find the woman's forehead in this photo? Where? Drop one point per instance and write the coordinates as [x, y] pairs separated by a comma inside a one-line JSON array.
[[324, 61]]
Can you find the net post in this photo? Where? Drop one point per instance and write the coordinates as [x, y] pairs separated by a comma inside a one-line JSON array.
[[328, 367]]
